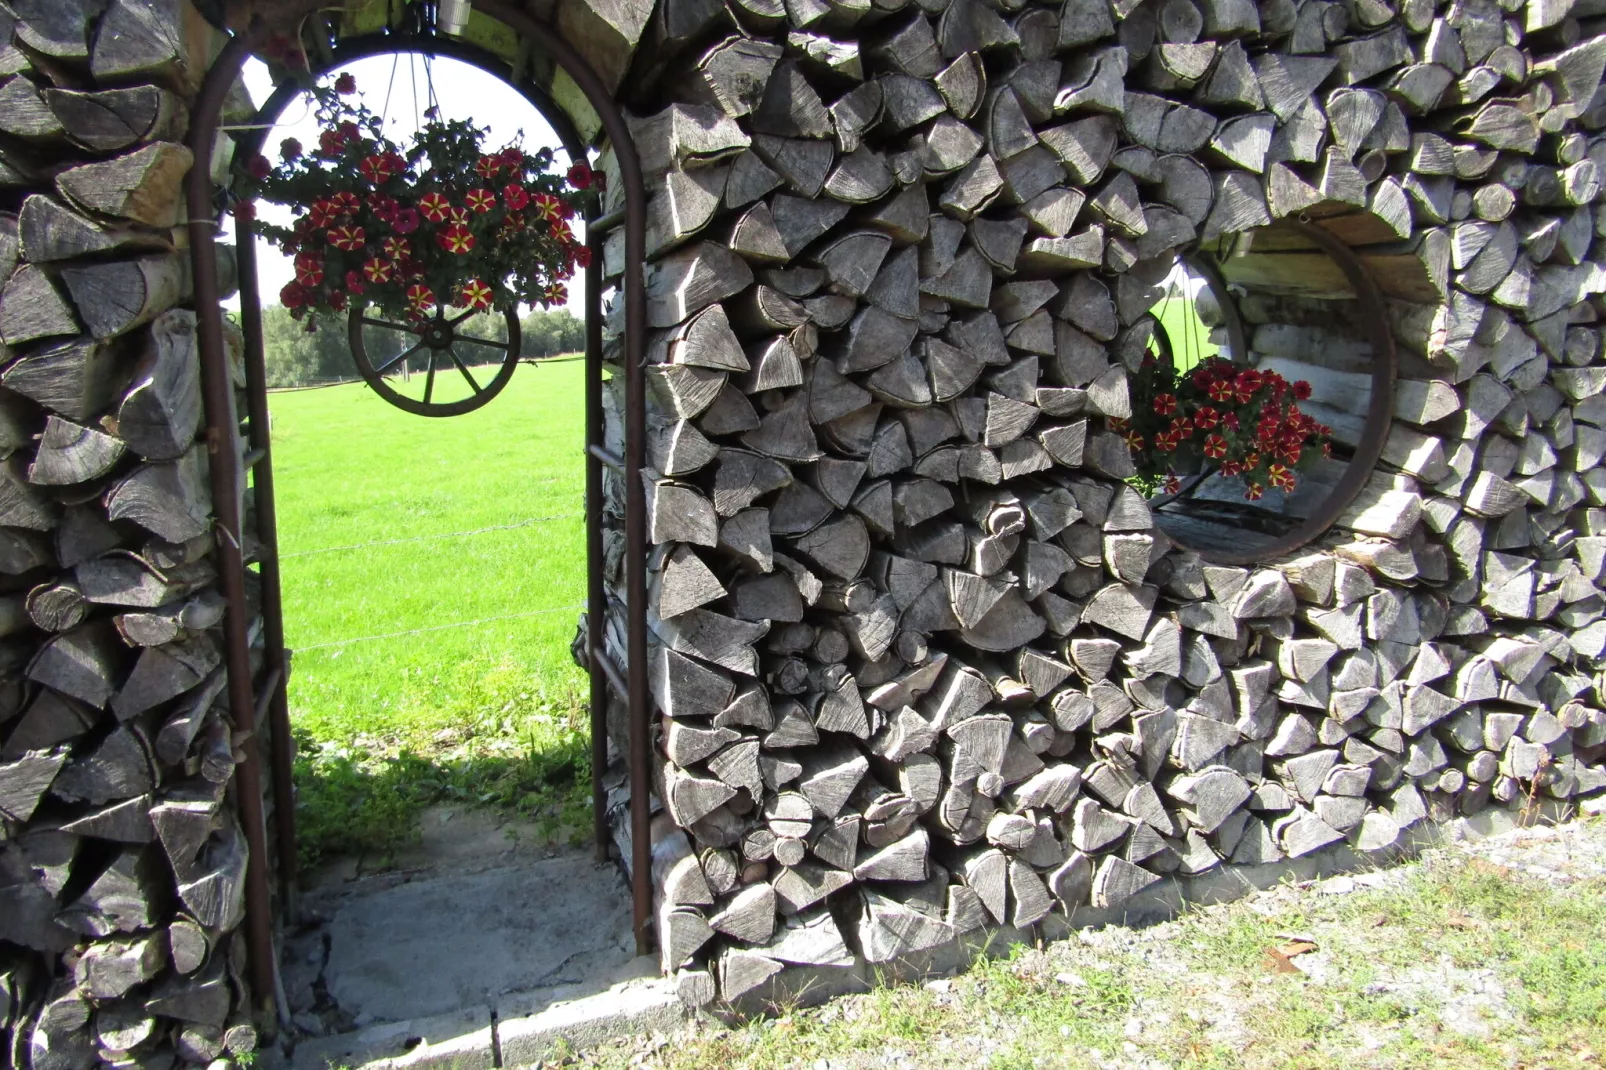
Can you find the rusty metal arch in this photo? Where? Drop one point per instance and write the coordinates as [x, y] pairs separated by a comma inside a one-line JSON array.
[[250, 705]]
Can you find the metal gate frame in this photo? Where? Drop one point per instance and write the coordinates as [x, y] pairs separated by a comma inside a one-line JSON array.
[[250, 702]]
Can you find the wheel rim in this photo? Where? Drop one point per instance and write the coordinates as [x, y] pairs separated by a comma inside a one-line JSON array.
[[445, 342]]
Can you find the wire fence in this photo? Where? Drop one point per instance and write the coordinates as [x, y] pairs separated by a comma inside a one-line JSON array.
[[442, 627], [530, 522]]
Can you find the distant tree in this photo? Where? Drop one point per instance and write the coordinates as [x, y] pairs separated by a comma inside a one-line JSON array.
[[295, 356], [549, 333]]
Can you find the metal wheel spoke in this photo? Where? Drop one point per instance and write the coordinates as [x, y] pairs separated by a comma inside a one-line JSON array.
[[381, 370], [453, 321], [464, 369], [375, 322], [429, 379], [479, 341]]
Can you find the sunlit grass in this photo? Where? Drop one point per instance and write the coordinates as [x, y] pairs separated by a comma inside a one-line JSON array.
[[431, 573]]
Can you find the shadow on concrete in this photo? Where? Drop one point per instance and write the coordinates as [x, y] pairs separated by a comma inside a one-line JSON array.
[[481, 922]]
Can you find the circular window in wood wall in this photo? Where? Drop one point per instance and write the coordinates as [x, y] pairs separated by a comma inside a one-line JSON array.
[[1264, 400]]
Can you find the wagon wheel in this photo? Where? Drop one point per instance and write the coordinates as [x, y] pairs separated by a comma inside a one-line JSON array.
[[448, 348]]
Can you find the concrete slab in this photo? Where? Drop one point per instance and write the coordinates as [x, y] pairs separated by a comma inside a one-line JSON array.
[[446, 942]]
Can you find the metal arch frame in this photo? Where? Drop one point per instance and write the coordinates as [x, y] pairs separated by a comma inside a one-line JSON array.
[[247, 706], [1380, 405]]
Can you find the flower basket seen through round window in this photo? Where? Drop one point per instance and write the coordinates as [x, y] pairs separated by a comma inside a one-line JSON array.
[[417, 240], [1219, 445]]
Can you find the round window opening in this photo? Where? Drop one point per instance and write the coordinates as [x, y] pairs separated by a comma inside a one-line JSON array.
[[1262, 403]]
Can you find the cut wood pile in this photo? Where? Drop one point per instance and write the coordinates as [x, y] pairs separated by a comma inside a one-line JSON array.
[[121, 858], [922, 662]]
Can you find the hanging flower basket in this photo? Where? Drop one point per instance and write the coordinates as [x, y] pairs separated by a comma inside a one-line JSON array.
[[417, 238], [1219, 418]]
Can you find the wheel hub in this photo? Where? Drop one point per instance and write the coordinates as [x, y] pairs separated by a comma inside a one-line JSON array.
[[437, 336]]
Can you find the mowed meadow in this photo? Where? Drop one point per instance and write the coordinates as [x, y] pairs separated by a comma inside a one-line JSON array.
[[433, 573]]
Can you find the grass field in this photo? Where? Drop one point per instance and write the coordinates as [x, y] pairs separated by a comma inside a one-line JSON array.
[[394, 531], [1190, 339]]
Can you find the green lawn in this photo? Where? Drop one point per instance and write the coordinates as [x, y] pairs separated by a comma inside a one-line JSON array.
[[1190, 339], [381, 531]]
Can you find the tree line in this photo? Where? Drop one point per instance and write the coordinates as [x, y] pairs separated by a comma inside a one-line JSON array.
[[298, 357]]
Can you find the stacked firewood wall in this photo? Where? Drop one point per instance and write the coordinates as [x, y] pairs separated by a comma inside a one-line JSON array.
[[121, 858], [922, 661]]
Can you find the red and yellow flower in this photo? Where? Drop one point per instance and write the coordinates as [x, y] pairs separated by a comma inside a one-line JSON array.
[[420, 297], [475, 294], [347, 238], [480, 200], [457, 239], [515, 197], [376, 269], [1215, 447], [434, 207]]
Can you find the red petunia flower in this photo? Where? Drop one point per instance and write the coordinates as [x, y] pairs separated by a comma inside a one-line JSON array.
[[474, 294], [1172, 483], [547, 206], [1280, 477], [347, 238], [1301, 389], [457, 214], [259, 167], [1165, 442], [309, 272], [1221, 391], [457, 239], [582, 255], [434, 207], [1133, 440], [420, 297], [374, 168], [1229, 420], [1254, 492], [346, 85], [406, 220], [1206, 418], [580, 175], [1165, 404], [397, 248], [322, 214], [1248, 381], [1117, 423], [480, 200], [293, 295], [562, 233], [354, 282], [1251, 461], [512, 159], [1215, 447], [515, 197], [330, 143], [556, 294], [377, 269], [346, 202], [1231, 468], [488, 167]]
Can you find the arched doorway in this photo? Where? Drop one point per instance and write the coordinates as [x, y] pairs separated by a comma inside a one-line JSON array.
[[257, 700]]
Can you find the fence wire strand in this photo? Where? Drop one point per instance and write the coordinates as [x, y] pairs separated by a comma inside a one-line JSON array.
[[429, 538], [441, 627]]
